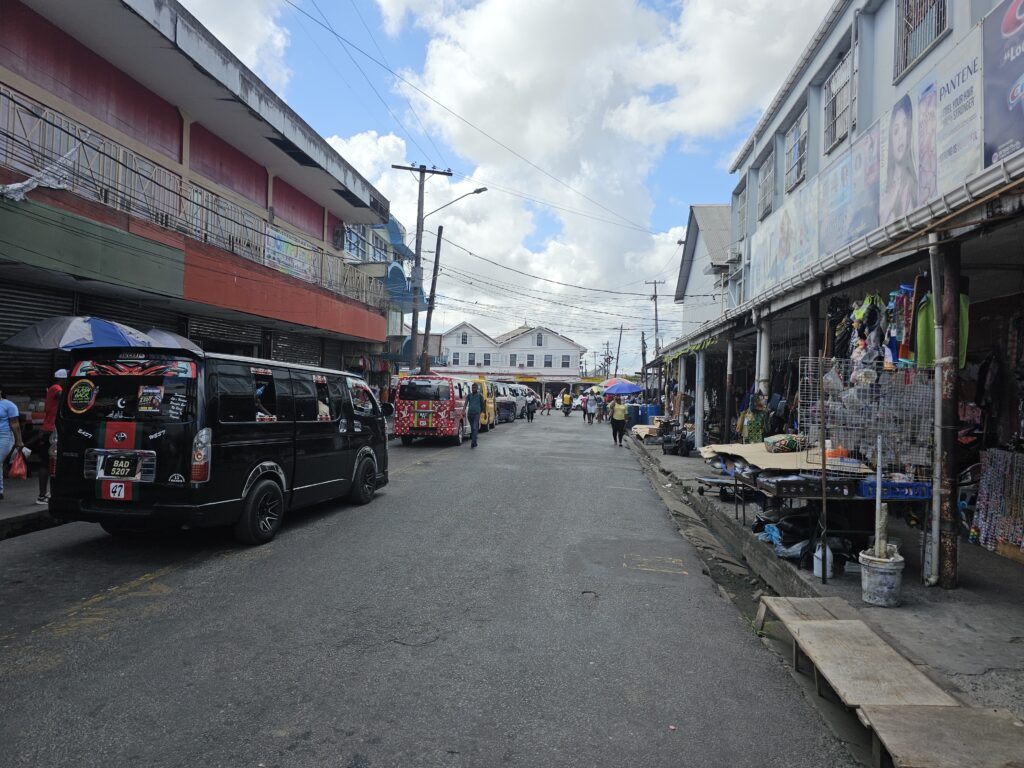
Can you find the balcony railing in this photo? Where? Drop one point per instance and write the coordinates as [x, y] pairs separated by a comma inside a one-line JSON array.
[[35, 139]]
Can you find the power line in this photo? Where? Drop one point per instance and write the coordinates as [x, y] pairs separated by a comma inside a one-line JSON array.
[[462, 119]]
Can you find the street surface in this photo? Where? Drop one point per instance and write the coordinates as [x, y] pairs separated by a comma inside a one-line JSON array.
[[526, 603]]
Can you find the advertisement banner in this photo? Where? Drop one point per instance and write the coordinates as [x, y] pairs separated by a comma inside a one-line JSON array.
[[286, 254], [930, 141], [848, 194], [1004, 81]]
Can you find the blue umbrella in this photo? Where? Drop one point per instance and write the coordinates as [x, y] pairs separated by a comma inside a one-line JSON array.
[[624, 388], [69, 332]]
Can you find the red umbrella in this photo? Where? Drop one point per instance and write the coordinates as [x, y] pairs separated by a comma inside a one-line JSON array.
[[613, 381]]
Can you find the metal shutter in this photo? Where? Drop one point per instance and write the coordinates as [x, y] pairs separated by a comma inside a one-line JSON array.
[[22, 371], [334, 354], [138, 314], [296, 348], [200, 328]]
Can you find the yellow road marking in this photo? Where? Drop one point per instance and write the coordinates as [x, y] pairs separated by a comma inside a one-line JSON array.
[[655, 564]]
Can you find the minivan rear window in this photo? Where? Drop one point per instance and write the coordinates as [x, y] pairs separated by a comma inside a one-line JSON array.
[[423, 389], [143, 389]]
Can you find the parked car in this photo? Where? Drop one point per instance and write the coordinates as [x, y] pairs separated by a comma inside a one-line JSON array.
[[167, 438], [519, 392]]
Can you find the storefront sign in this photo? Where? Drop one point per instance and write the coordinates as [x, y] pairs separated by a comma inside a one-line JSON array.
[[1004, 81], [287, 253]]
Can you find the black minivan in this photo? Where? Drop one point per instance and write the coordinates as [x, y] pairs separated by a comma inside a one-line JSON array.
[[150, 438]]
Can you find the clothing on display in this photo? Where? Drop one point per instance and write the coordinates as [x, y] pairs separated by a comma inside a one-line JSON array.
[[999, 512]]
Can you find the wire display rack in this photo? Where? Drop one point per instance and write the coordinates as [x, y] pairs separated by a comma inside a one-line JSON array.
[[846, 406]]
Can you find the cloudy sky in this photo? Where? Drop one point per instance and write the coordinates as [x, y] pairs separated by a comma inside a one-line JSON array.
[[594, 126]]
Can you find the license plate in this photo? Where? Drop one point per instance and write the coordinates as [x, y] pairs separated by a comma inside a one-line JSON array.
[[120, 466]]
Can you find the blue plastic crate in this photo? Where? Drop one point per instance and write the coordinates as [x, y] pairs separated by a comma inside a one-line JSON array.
[[894, 491]]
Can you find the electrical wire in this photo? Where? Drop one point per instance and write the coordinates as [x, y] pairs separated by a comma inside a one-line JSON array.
[[462, 119]]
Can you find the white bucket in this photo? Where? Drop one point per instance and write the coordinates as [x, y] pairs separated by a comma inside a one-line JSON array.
[[881, 579], [829, 560]]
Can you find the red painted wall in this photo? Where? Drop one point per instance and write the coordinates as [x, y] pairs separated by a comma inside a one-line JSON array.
[[332, 223], [215, 159], [220, 279], [298, 210], [45, 55]]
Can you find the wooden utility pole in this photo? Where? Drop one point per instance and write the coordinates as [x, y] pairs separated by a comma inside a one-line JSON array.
[[417, 276], [618, 351], [643, 359], [425, 357], [657, 338]]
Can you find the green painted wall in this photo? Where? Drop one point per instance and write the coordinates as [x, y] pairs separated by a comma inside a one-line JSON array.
[[46, 237]]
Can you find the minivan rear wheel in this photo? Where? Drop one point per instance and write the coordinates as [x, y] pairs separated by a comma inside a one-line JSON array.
[[262, 511], [364, 483], [460, 434], [406, 439]]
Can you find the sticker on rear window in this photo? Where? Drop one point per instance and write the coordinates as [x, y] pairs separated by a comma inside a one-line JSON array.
[[81, 396], [150, 399]]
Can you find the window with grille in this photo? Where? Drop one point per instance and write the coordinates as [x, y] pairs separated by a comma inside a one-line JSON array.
[[472, 358], [838, 95], [380, 249], [766, 187], [919, 24], [547, 361], [465, 338], [540, 339], [529, 361], [741, 214], [455, 358], [565, 361], [796, 152], [356, 242], [487, 358], [513, 358]]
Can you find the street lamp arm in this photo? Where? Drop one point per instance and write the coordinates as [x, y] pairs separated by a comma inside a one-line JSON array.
[[476, 191]]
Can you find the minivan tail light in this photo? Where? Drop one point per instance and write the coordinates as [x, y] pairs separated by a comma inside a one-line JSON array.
[[202, 449], [51, 454]]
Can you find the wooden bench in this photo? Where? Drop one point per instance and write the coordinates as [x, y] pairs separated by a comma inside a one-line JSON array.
[[944, 737]]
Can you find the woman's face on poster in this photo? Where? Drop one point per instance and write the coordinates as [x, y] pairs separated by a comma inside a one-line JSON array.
[[899, 132]]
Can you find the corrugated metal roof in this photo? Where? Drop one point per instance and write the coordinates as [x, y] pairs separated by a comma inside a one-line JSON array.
[[712, 223], [715, 224]]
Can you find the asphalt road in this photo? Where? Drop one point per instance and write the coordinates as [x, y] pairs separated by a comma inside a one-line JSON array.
[[526, 603]]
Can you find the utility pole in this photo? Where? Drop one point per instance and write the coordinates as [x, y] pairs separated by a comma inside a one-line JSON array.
[[657, 339], [417, 275], [425, 357], [618, 351]]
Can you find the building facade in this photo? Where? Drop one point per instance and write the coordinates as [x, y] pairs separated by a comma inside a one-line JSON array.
[[879, 200], [530, 354], [147, 176]]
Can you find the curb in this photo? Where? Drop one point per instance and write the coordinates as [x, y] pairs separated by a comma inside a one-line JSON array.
[[26, 522]]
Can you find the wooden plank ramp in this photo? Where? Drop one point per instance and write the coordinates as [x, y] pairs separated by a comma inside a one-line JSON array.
[[945, 737], [862, 668], [790, 610]]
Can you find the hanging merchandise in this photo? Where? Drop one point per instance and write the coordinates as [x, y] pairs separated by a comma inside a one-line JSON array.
[[999, 511], [924, 325]]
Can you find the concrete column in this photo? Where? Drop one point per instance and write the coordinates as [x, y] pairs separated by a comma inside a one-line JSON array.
[[764, 357], [727, 403], [947, 366], [698, 405]]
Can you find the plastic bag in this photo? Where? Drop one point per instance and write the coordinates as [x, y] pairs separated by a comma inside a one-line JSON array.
[[19, 469]]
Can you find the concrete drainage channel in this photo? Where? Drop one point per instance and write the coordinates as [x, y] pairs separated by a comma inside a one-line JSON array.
[[724, 561]]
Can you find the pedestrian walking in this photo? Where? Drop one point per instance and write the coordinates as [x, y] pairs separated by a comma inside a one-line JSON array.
[[591, 409], [531, 406], [583, 407], [549, 400], [53, 395], [618, 418], [10, 434], [474, 407], [602, 410]]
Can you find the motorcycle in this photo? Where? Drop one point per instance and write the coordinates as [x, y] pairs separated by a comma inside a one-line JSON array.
[[567, 410]]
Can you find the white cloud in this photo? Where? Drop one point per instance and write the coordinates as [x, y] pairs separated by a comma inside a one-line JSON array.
[[251, 33], [593, 94]]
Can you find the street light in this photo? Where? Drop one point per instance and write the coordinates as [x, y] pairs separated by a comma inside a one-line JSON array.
[[476, 191], [425, 358]]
